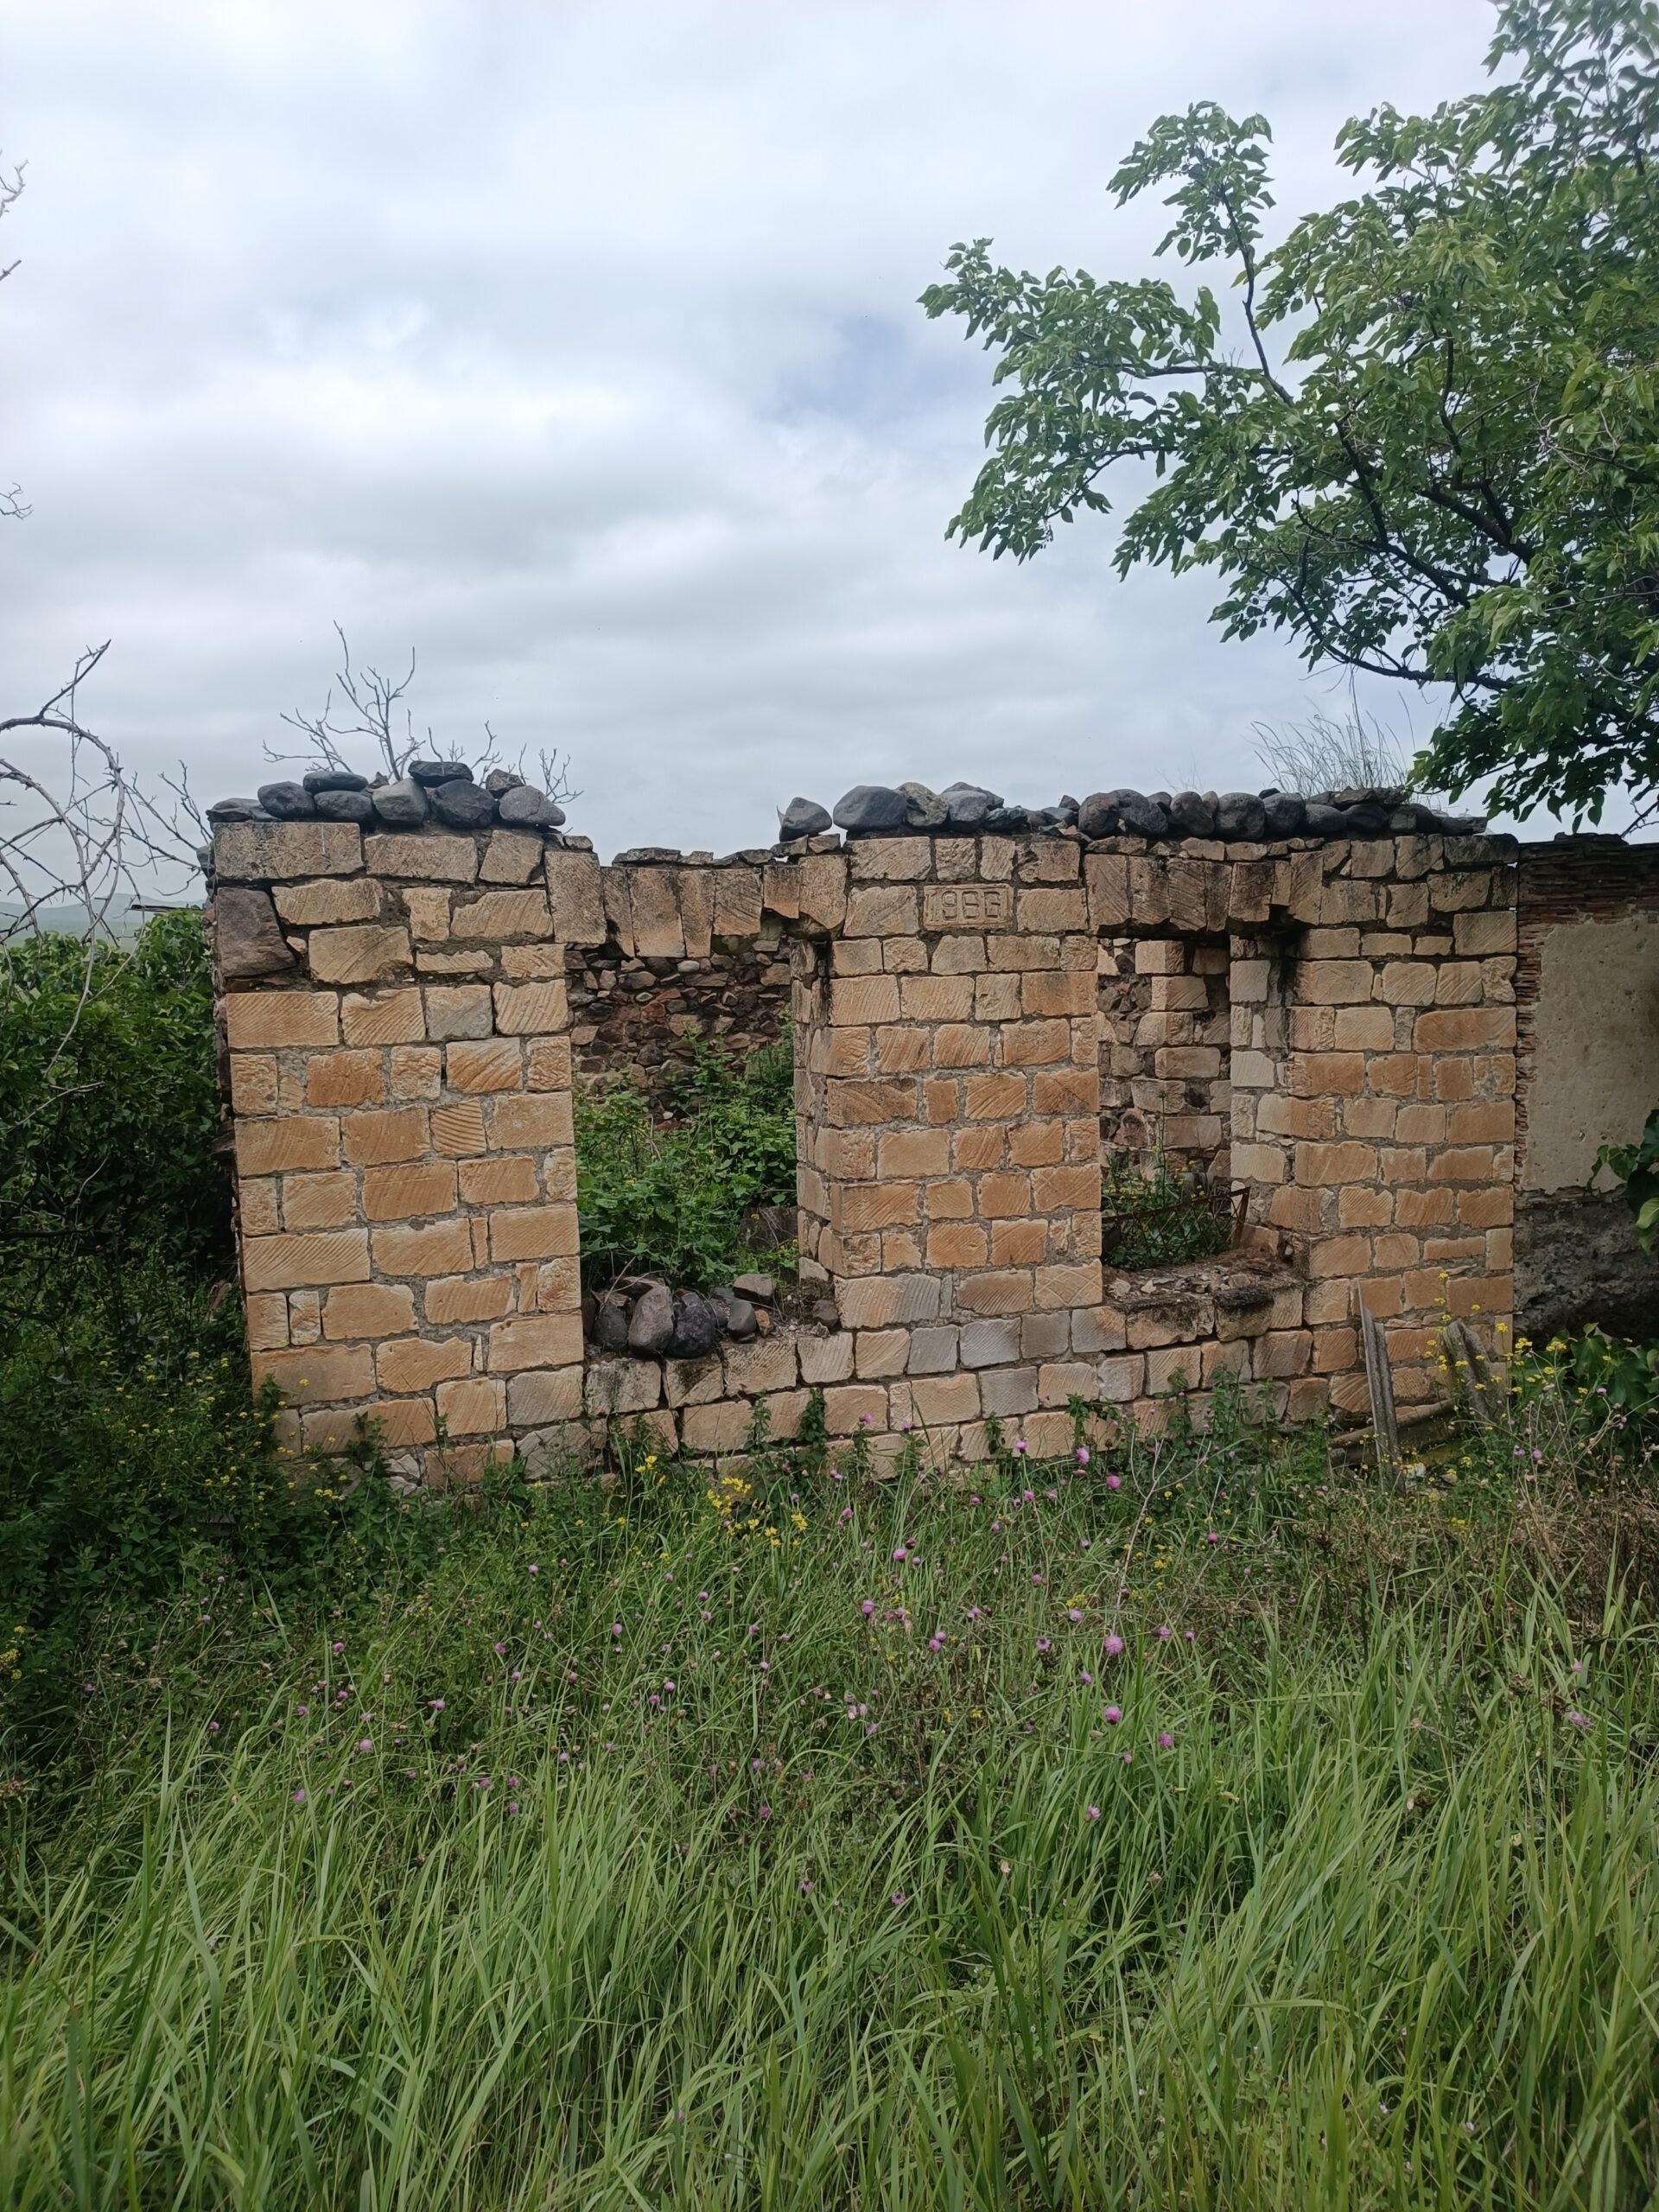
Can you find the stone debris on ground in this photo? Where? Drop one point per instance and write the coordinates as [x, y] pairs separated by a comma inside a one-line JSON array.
[[641, 1315]]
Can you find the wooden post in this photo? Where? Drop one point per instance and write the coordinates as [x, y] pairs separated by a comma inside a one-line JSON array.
[[1384, 1423]]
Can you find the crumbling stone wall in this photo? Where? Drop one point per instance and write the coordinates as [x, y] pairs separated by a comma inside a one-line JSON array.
[[401, 1050], [1166, 1047], [642, 1018]]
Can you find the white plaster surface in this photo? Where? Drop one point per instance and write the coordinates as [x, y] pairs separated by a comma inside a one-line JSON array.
[[1595, 1072]]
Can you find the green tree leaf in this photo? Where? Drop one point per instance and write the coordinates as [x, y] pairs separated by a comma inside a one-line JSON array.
[[1426, 443]]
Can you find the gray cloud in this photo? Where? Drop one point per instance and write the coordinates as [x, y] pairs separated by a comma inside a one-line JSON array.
[[575, 345]]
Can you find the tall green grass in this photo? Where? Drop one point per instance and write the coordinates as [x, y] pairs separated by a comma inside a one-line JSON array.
[[843, 1918]]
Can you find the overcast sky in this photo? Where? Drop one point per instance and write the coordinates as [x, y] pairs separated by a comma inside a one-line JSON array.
[[575, 345]]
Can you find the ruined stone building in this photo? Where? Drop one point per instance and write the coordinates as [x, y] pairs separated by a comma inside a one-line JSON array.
[[1401, 1048]]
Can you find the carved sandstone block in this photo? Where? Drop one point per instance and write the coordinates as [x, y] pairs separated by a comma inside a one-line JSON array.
[[369, 952], [429, 859], [269, 852], [510, 857], [272, 1018], [314, 906]]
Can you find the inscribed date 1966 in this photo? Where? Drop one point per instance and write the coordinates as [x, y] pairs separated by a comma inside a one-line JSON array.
[[967, 905]]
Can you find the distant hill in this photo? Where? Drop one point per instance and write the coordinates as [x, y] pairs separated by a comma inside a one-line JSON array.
[[122, 922]]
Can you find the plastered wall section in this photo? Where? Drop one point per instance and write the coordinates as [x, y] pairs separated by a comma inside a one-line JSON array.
[[402, 1110], [1590, 909], [1588, 1074]]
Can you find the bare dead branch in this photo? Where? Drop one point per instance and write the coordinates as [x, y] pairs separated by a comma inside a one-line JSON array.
[[373, 706], [12, 508], [553, 775], [80, 839]]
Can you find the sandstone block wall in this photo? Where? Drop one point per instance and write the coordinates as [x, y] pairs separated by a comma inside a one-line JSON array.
[[1166, 1048], [1334, 1021]]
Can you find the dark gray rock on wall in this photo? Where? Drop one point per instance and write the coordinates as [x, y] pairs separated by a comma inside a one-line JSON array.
[[698, 1326], [345, 805], [969, 805], [463, 804], [872, 806], [288, 801], [247, 938], [1192, 814], [803, 817], [401, 805], [1240, 814]]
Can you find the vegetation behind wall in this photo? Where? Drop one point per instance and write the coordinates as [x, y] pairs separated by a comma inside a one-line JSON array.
[[670, 1196], [128, 1442]]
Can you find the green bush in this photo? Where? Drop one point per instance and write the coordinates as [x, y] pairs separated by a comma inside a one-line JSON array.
[[670, 1195], [134, 1461], [1160, 1219], [1604, 1382], [111, 1102], [1636, 1168], [128, 1440], [131, 1451]]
